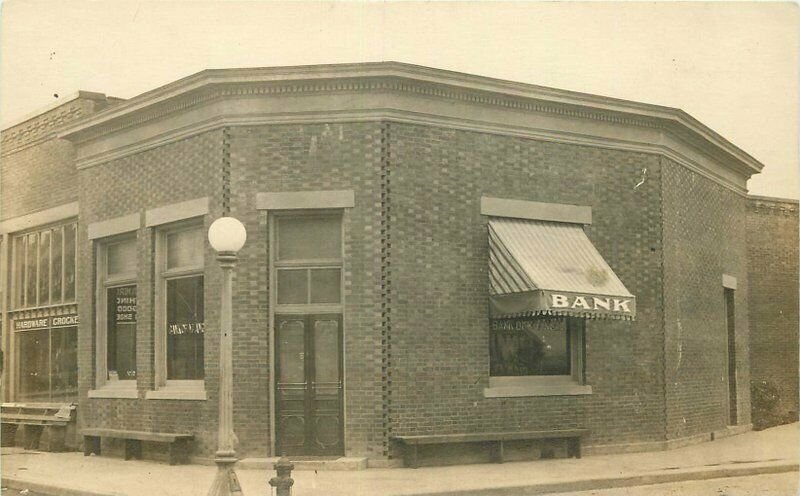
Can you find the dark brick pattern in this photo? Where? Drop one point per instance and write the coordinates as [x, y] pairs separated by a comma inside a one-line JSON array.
[[772, 258], [386, 285], [704, 238]]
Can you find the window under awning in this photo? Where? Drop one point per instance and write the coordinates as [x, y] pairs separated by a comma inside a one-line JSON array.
[[551, 268]]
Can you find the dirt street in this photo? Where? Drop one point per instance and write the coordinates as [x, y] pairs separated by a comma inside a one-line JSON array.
[[785, 484]]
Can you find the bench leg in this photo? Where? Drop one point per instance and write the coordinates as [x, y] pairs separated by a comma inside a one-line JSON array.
[[496, 454], [133, 449], [411, 456], [179, 451], [574, 447], [32, 435], [91, 445], [54, 438], [8, 435]]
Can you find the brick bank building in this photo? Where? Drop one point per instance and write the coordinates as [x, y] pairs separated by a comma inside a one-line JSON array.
[[428, 253]]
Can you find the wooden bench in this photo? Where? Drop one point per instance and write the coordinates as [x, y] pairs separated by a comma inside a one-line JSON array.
[[178, 442], [50, 419], [494, 439]]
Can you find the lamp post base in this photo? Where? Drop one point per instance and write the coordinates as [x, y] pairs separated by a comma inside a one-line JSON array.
[[225, 483]]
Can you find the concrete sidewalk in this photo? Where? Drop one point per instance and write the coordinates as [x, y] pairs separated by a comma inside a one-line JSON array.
[[771, 451]]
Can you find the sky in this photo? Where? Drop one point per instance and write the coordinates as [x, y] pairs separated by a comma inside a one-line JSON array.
[[732, 65]]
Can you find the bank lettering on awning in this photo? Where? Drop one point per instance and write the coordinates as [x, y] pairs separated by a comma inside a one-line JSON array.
[[45, 322], [591, 303]]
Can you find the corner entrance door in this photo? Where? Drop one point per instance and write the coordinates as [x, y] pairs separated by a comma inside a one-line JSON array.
[[309, 385]]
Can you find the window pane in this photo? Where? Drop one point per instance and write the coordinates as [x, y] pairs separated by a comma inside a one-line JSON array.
[[185, 328], [64, 360], [292, 286], [325, 286], [121, 333], [56, 273], [19, 270], [69, 262], [34, 365], [326, 350], [30, 271], [291, 351], [44, 268], [121, 258], [309, 238], [538, 346], [185, 248]]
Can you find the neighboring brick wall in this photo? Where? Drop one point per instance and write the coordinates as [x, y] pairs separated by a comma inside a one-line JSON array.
[[704, 238], [37, 170], [188, 169], [772, 256], [440, 286]]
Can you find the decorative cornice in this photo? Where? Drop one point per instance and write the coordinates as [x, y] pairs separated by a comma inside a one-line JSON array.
[[378, 115], [406, 80]]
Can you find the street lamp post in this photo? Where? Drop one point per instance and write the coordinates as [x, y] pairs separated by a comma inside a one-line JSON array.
[[227, 236]]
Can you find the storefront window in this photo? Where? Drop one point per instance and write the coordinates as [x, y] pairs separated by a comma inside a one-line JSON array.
[[57, 268], [31, 261], [185, 328], [64, 363], [69, 263], [121, 337], [48, 358], [117, 311], [533, 346], [20, 244], [34, 365], [44, 267], [181, 254]]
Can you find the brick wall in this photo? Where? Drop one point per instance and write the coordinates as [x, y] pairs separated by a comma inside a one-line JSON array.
[[188, 169], [772, 258], [37, 170], [439, 283], [704, 238]]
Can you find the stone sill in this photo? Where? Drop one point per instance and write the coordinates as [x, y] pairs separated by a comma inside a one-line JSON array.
[[173, 393], [115, 392], [521, 391]]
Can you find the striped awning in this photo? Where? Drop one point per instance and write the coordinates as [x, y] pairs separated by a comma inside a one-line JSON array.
[[551, 268]]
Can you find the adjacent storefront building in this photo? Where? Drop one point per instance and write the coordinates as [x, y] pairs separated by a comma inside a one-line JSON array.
[[428, 253]]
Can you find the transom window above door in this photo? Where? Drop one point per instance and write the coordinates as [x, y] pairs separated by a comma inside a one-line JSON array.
[[308, 259]]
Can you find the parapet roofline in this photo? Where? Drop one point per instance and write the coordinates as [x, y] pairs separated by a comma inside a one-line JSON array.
[[80, 94], [210, 77]]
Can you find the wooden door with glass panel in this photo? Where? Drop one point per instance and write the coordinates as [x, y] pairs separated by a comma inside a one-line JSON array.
[[309, 384], [307, 251]]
